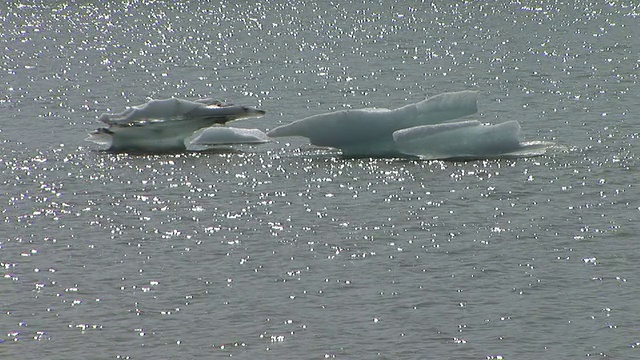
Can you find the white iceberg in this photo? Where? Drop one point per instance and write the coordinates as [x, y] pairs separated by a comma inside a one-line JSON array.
[[229, 136], [164, 125], [369, 132], [466, 140], [422, 130]]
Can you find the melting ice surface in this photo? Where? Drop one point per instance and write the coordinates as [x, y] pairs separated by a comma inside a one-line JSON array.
[[422, 129], [466, 140], [229, 136], [164, 125]]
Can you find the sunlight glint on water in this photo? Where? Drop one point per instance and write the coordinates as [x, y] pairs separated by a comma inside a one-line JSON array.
[[285, 250]]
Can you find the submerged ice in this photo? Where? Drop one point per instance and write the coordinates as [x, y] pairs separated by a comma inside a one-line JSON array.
[[164, 125], [423, 129]]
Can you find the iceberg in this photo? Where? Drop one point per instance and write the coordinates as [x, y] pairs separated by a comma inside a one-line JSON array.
[[369, 132], [424, 130], [466, 140], [229, 136], [164, 125]]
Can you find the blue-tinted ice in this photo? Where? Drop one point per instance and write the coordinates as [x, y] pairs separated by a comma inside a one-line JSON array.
[[424, 129]]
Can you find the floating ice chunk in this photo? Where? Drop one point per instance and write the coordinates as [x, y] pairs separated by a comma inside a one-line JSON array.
[[163, 125], [165, 109], [369, 132], [421, 129], [229, 136], [466, 139]]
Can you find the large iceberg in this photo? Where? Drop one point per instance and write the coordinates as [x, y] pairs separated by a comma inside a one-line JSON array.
[[164, 125], [422, 130]]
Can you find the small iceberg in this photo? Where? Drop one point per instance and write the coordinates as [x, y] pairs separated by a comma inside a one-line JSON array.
[[229, 136], [369, 132], [423, 130], [164, 125], [466, 140]]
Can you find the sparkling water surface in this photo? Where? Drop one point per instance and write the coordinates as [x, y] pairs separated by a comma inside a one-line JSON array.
[[288, 251]]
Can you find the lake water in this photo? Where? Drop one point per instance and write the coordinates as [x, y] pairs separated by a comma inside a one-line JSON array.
[[288, 251]]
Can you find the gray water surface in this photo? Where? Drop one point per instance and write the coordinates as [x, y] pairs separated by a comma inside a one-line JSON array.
[[288, 251]]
